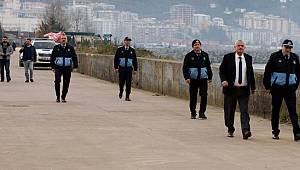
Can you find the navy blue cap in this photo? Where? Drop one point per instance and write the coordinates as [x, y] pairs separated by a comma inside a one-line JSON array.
[[288, 43]]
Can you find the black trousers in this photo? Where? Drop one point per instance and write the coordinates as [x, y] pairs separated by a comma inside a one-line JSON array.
[[290, 100], [240, 95], [196, 85], [5, 64], [66, 74], [125, 77]]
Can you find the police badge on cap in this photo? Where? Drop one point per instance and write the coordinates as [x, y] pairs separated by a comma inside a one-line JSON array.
[[288, 43]]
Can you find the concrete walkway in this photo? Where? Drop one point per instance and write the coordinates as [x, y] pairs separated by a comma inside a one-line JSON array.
[[95, 131]]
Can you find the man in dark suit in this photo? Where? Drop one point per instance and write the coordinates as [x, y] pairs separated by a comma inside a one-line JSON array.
[[237, 77]]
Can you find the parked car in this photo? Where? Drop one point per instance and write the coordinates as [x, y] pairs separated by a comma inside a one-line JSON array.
[[44, 49]]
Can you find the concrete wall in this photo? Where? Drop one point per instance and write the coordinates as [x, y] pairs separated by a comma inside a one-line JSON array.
[[165, 77]]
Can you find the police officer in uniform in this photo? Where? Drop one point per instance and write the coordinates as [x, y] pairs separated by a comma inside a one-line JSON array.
[[281, 79], [197, 73], [125, 63], [63, 60]]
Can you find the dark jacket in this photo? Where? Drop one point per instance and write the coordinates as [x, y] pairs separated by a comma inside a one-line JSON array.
[[63, 58], [197, 67], [227, 72], [9, 51], [29, 53], [282, 74], [125, 59]]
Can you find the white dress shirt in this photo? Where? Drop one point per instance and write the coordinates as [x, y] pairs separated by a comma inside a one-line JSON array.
[[244, 71]]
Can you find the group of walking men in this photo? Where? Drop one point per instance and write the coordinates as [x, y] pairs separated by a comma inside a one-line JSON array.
[[63, 61], [281, 80]]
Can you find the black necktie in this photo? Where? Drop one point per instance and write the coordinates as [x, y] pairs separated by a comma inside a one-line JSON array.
[[240, 71]]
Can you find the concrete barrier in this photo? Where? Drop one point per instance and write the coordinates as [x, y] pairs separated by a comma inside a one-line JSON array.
[[165, 77]]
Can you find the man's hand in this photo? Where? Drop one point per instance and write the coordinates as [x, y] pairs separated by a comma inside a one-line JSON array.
[[53, 70], [116, 70], [75, 70], [134, 72], [225, 84], [188, 81], [209, 81], [253, 92]]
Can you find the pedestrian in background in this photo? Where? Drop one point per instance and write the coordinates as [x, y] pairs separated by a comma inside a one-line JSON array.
[[6, 51], [125, 63], [197, 73], [28, 58]]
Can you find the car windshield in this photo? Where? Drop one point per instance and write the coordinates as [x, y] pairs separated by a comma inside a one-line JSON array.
[[44, 45]]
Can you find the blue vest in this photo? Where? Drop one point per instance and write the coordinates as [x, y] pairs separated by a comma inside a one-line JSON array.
[[63, 61], [122, 62], [280, 79], [194, 72]]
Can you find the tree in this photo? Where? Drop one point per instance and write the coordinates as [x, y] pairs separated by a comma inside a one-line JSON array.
[[54, 20]]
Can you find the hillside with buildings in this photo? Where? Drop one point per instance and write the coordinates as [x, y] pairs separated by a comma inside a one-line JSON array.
[[168, 23]]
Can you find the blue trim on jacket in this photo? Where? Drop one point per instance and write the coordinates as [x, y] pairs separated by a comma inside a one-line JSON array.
[[280, 79]]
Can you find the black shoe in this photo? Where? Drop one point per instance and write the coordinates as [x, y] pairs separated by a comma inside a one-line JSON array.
[[230, 135], [8, 80], [297, 136], [193, 117], [247, 135], [275, 137], [2, 80], [31, 80], [57, 100], [63, 100], [202, 116], [27, 81], [120, 95], [127, 99]]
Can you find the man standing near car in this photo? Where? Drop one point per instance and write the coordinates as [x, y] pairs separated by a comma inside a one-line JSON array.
[[125, 63], [197, 73], [6, 51], [237, 78], [63, 60], [28, 58], [281, 79]]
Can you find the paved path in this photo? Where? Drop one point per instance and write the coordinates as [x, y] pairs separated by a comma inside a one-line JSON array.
[[95, 130]]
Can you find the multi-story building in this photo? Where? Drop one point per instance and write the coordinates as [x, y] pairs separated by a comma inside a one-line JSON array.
[[81, 18], [126, 23], [32, 9], [218, 21], [201, 21], [181, 13], [259, 21], [150, 31], [104, 26]]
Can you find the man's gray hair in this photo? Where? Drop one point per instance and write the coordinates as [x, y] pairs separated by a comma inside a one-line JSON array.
[[239, 41]]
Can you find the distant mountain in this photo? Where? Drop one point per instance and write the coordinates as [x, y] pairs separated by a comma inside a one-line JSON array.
[[160, 8]]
